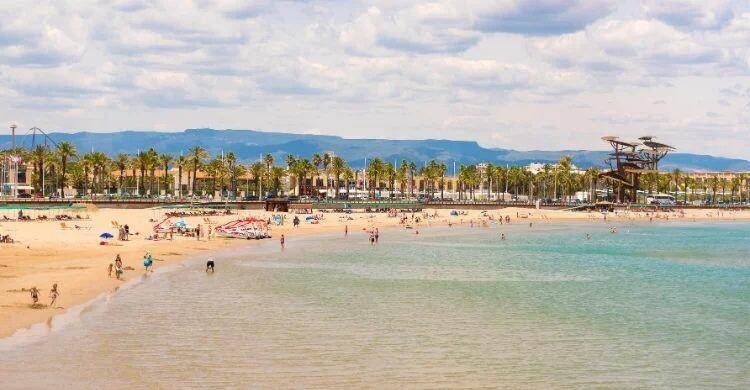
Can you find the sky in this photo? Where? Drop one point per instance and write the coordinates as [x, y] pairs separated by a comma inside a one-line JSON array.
[[541, 74]]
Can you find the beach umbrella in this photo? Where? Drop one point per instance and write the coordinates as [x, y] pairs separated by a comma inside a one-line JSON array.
[[106, 235]]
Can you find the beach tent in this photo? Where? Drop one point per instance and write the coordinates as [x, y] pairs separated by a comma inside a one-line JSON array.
[[454, 212]]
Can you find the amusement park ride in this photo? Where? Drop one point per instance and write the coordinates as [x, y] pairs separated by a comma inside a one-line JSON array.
[[630, 160], [12, 163]]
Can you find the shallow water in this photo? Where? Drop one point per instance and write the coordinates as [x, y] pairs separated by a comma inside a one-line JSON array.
[[650, 306]]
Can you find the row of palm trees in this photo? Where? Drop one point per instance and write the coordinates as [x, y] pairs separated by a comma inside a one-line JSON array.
[[148, 172]]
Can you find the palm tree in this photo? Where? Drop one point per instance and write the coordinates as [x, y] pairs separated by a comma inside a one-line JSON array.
[[402, 174], [181, 163], [714, 182], [152, 159], [563, 174], [198, 155], [743, 180], [39, 155], [412, 172], [165, 160], [143, 161], [676, 177], [121, 164], [326, 161], [257, 170], [348, 176], [65, 151], [374, 170], [592, 176], [230, 163], [724, 183], [268, 160], [389, 172], [338, 166]]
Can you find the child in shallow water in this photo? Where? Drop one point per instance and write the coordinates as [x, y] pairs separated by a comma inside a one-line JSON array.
[[53, 294], [34, 295]]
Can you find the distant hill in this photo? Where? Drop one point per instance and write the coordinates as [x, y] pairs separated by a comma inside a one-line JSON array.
[[248, 145]]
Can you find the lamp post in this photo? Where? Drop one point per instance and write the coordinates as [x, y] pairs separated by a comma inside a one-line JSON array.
[[14, 159]]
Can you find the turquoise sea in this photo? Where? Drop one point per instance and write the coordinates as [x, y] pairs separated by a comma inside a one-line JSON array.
[[652, 306]]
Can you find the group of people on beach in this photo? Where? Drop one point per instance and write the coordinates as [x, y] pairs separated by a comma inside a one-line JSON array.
[[117, 267], [53, 294]]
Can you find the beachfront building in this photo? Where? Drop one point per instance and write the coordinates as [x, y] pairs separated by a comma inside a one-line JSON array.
[[16, 177]]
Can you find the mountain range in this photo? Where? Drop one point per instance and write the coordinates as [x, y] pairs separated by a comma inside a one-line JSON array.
[[248, 145]]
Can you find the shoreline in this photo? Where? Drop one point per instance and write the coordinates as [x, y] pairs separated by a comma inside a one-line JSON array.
[[46, 254]]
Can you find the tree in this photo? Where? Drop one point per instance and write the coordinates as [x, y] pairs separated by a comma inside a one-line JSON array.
[[268, 160], [714, 182], [230, 163], [181, 164], [563, 175], [143, 161], [65, 151], [338, 165], [402, 174], [348, 176], [165, 160], [39, 156], [676, 177], [374, 170], [412, 172], [121, 164], [198, 155], [257, 170]]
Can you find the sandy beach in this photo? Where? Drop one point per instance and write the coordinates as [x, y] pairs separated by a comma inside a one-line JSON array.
[[45, 252]]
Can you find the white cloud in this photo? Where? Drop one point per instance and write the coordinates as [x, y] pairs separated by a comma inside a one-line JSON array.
[[690, 14], [510, 73]]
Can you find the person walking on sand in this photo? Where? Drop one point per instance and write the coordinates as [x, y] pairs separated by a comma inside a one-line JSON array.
[[281, 241], [346, 230], [210, 230], [34, 295], [118, 267], [53, 294], [148, 261], [198, 232], [109, 270]]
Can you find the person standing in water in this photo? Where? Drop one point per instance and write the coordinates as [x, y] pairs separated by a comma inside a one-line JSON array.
[[53, 294], [281, 241], [148, 261], [346, 230], [118, 267], [377, 235]]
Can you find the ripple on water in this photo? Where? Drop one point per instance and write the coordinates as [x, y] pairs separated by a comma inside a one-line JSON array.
[[540, 311]]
